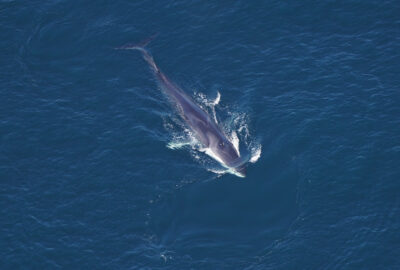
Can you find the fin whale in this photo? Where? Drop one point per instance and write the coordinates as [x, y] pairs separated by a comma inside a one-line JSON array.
[[204, 127]]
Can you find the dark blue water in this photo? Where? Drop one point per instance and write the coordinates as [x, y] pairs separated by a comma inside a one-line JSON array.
[[87, 180]]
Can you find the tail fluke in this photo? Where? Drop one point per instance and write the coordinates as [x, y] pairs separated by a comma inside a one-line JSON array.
[[141, 46], [138, 46]]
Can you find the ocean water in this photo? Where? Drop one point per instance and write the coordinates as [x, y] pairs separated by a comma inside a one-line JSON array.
[[88, 177]]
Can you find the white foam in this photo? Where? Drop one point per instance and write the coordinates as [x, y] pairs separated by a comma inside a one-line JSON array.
[[217, 99], [210, 104], [219, 172], [180, 140], [178, 145], [215, 103], [255, 154]]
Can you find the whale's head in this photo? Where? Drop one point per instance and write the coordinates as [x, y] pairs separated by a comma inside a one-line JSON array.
[[224, 150]]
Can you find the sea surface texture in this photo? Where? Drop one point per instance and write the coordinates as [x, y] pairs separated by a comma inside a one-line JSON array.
[[98, 171]]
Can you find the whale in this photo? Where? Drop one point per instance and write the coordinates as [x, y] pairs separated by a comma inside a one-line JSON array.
[[204, 128]]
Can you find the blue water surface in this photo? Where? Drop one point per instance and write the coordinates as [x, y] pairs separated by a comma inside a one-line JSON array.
[[87, 180]]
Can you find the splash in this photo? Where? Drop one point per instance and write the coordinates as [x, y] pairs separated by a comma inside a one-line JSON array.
[[174, 145], [208, 105], [255, 153], [217, 99]]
